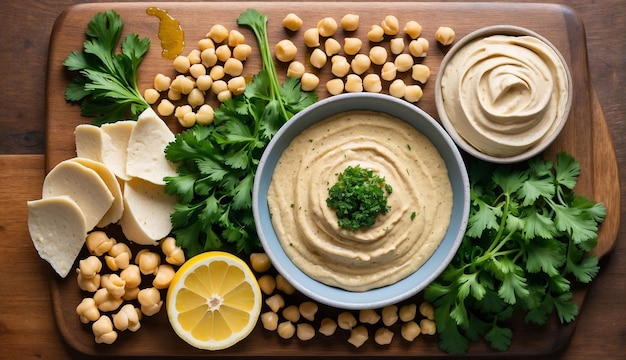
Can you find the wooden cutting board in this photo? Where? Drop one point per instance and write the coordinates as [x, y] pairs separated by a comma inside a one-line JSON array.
[[586, 136]]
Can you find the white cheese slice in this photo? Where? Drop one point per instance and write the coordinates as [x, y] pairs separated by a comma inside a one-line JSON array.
[[89, 141], [115, 146], [117, 207], [147, 210], [146, 149], [58, 231], [83, 185]]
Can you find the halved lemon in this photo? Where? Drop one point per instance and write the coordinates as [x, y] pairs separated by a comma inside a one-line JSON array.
[[214, 301]]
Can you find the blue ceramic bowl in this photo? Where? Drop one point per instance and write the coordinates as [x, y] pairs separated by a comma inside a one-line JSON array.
[[404, 288]]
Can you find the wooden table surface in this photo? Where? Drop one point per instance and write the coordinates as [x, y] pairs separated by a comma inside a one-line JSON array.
[[27, 327]]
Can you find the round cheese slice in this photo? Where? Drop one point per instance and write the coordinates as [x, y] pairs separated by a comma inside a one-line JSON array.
[[115, 146], [58, 231], [81, 184], [89, 141], [147, 210], [117, 208]]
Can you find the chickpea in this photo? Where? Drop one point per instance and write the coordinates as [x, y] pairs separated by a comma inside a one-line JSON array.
[[196, 70], [161, 82], [219, 86], [87, 311], [204, 82], [383, 336], [103, 330], [242, 51], [174, 95], [269, 320], [318, 58], [295, 69], [119, 257], [420, 72], [194, 57], [205, 43], [372, 83], [351, 45], [397, 88], [427, 310], [217, 73], [390, 315], [334, 86], [376, 34], [305, 331], [182, 84], [209, 57], [235, 38], [396, 45], [224, 95], [89, 285], [331, 47], [350, 22], [312, 37], [204, 116], [410, 330], [327, 27], [233, 67], [131, 294], [346, 320], [378, 55], [428, 327], [286, 50], [188, 120], [267, 284], [150, 301], [368, 316], [360, 64], [444, 35], [419, 47], [218, 33], [354, 83], [308, 309], [173, 254], [286, 330], [275, 302], [340, 66], [131, 276], [388, 71], [407, 312], [291, 313], [181, 111], [283, 285], [127, 318], [151, 96], [292, 22], [223, 52], [195, 98], [328, 326], [403, 62], [105, 301], [237, 85], [182, 64], [148, 261], [163, 277], [114, 285], [309, 81], [413, 93], [89, 267], [390, 25], [358, 336], [413, 29]]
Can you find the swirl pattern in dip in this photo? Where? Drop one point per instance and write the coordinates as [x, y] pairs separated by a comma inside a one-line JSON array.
[[401, 241], [505, 93]]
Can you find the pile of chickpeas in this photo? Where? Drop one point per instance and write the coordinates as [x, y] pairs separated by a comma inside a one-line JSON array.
[[300, 318], [118, 300]]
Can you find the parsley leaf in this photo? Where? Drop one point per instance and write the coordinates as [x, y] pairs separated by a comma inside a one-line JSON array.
[[107, 83], [528, 237]]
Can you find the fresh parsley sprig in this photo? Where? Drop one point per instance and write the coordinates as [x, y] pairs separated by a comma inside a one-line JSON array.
[[107, 83], [528, 237], [218, 162]]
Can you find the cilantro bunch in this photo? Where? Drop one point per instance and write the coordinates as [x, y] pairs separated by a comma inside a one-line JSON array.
[[528, 238], [107, 84], [218, 162], [358, 197]]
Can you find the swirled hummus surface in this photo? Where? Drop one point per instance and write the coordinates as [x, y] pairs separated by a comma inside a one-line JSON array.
[[399, 242], [505, 93]]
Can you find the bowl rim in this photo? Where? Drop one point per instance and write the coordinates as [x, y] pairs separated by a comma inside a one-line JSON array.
[[534, 150], [379, 297]]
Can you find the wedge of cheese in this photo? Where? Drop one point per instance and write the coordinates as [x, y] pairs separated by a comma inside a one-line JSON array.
[[117, 207], [81, 184], [115, 146], [147, 210], [146, 149], [58, 230], [89, 141]]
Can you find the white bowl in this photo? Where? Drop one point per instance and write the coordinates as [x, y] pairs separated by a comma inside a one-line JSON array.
[[416, 281], [455, 114]]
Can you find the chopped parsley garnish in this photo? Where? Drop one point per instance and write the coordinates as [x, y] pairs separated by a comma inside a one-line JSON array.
[[358, 197], [529, 236]]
